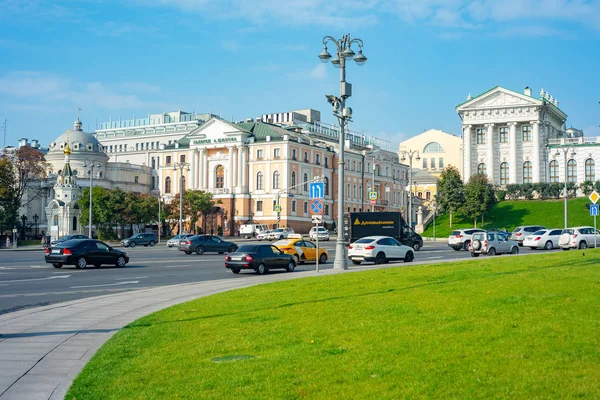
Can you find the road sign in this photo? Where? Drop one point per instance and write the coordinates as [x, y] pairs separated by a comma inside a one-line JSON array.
[[372, 196], [317, 219], [594, 208], [316, 206], [594, 197], [277, 208], [316, 190], [373, 202], [402, 208], [14, 230]]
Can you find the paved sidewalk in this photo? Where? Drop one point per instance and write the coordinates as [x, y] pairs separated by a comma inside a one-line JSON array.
[[43, 349]]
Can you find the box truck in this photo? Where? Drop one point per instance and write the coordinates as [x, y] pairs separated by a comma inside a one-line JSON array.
[[360, 224]]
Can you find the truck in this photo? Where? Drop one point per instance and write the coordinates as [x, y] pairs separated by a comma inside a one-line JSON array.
[[250, 230], [360, 224]]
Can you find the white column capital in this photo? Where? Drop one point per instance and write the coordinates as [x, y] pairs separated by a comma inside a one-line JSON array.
[[514, 123], [534, 122], [467, 127], [490, 125]]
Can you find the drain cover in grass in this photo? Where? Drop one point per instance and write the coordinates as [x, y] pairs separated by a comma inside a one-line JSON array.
[[235, 357]]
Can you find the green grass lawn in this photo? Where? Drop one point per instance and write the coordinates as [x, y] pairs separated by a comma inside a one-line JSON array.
[[492, 328], [510, 214]]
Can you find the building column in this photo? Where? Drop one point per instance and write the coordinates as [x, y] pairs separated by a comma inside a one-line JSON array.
[[241, 167], [467, 162], [206, 171], [192, 184], [201, 168], [512, 155], [490, 153], [230, 170], [236, 176], [244, 185], [536, 152]]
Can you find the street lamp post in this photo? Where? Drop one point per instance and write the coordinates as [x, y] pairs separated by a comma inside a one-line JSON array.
[[159, 220], [181, 166], [35, 221], [343, 51], [91, 164], [409, 154], [373, 205], [565, 151]]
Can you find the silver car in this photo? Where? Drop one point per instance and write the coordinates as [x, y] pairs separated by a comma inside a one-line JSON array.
[[492, 243], [580, 237], [521, 232], [174, 241]]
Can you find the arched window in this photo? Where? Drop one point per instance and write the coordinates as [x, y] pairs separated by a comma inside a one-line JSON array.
[[276, 180], [260, 181], [377, 170], [326, 184], [420, 195], [219, 177], [305, 182], [428, 195], [433, 147], [504, 173], [182, 184], [572, 171], [527, 172], [554, 171], [293, 178], [590, 170], [168, 184], [482, 169]]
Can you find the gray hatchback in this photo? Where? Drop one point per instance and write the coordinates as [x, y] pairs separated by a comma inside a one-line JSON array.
[[144, 239]]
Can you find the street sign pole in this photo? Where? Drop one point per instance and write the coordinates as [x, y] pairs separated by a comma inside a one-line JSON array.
[[594, 197], [317, 226]]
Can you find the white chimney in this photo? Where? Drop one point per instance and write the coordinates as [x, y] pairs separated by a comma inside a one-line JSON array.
[[22, 142], [528, 91], [34, 143]]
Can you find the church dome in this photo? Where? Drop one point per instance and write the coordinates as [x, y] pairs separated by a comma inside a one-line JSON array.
[[79, 141]]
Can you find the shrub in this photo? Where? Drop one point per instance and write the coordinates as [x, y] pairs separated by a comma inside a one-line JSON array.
[[501, 195]]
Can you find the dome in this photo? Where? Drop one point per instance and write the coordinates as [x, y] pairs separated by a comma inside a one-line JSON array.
[[79, 141]]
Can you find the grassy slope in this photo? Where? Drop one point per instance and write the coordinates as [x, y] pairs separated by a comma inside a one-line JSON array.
[[510, 214], [507, 327]]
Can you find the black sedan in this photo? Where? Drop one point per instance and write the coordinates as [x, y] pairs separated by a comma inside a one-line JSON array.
[[82, 253], [200, 244], [260, 258], [67, 237]]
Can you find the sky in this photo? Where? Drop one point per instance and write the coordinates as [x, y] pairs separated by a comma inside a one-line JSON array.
[[243, 58]]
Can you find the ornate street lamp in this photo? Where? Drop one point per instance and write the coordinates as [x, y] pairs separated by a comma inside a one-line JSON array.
[[91, 164], [409, 154], [35, 221], [343, 51], [181, 166], [566, 151]]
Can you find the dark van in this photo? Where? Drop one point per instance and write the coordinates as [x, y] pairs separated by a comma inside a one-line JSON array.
[[360, 224]]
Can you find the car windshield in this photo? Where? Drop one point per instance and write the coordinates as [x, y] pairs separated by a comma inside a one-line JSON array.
[[539, 233], [247, 248], [178, 237], [364, 240], [65, 238], [278, 230]]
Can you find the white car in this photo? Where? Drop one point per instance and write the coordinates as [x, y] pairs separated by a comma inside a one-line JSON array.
[[380, 250], [461, 238], [280, 233], [174, 241], [580, 237], [264, 235], [322, 232], [543, 239]]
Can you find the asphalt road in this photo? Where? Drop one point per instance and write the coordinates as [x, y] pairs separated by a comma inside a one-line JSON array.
[[27, 281]]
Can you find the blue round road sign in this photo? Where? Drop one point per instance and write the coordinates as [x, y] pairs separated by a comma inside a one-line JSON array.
[[316, 206]]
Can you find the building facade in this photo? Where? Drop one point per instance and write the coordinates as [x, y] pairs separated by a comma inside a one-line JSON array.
[[437, 150]]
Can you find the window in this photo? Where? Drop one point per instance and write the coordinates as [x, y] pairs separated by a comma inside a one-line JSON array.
[[293, 154], [182, 158], [305, 207], [293, 178], [153, 186], [168, 160], [326, 184], [137, 146], [259, 154], [428, 195], [433, 163], [305, 182], [504, 134], [219, 177], [260, 181], [420, 195], [168, 184], [318, 159], [481, 135], [326, 162], [136, 179], [354, 191], [348, 191], [554, 171], [305, 157], [326, 210], [590, 170], [526, 133], [482, 169], [433, 147], [276, 180], [111, 148], [424, 163], [441, 163], [259, 205], [153, 163], [504, 173], [182, 184], [527, 172], [293, 205], [276, 153], [274, 204], [572, 171]]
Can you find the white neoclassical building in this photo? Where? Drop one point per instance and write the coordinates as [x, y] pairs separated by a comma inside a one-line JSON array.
[[506, 134]]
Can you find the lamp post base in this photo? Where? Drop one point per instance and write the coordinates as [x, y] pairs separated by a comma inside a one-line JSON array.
[[340, 261]]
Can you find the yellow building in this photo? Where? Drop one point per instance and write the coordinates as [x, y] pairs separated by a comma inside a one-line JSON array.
[[437, 150]]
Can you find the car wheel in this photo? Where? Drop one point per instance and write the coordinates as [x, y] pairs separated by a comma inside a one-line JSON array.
[[565, 249], [261, 269], [474, 254], [120, 262], [548, 245], [245, 237], [232, 249], [291, 266], [491, 252], [188, 252], [514, 250], [457, 248], [221, 252], [409, 256], [297, 257], [132, 244], [466, 245], [81, 263], [152, 243], [380, 258], [323, 258], [97, 265], [57, 265], [235, 270], [583, 245], [281, 237], [356, 262], [417, 246], [200, 250]]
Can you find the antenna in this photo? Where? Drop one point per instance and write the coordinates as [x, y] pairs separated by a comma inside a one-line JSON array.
[[5, 121]]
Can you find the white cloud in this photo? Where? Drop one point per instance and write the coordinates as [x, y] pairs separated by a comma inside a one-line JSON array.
[[319, 72]]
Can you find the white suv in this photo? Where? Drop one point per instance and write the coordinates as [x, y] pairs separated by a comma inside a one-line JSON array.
[[380, 250], [460, 239], [580, 237], [322, 232], [280, 233]]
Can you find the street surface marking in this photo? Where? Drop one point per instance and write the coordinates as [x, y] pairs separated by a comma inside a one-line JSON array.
[[432, 258], [37, 279], [108, 284], [137, 277]]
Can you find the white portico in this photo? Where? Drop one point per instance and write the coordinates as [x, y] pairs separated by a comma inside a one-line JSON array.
[[505, 134]]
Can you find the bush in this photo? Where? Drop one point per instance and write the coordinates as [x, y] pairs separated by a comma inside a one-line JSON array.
[[501, 195], [106, 234], [587, 187]]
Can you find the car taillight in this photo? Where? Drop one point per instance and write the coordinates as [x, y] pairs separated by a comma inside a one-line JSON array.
[[349, 247], [458, 236], [519, 234], [188, 242], [227, 258], [249, 258], [67, 252], [285, 249], [537, 238], [485, 243], [369, 247], [574, 236], [47, 250]]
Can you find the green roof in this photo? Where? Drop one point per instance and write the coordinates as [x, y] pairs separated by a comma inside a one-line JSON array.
[[261, 130]]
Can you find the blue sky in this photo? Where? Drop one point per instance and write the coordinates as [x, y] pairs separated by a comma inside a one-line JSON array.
[[243, 58]]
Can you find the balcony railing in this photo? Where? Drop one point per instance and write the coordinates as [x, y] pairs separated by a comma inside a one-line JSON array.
[[219, 190]]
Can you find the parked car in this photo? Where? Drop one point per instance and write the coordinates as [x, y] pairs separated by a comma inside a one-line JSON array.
[[498, 230], [461, 238], [174, 241], [145, 239], [321, 231], [543, 239], [580, 237], [249, 230], [380, 250], [259, 257], [519, 233], [67, 237], [492, 243], [280, 233], [84, 252], [301, 249], [264, 235], [201, 244]]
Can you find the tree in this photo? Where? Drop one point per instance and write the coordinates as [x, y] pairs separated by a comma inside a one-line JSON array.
[[479, 197], [450, 194], [8, 206]]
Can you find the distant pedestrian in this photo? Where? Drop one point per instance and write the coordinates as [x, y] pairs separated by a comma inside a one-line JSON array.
[[7, 242], [44, 241]]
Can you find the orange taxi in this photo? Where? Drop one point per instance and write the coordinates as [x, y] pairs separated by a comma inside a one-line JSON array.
[[303, 250]]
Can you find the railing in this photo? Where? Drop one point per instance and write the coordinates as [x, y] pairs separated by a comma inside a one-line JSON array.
[[570, 141], [219, 190]]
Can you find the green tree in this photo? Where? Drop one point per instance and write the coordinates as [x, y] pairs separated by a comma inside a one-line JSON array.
[[197, 203], [8, 204], [450, 194], [479, 197]]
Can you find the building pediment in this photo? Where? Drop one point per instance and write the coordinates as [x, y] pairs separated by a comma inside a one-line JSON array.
[[499, 98], [217, 132]]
